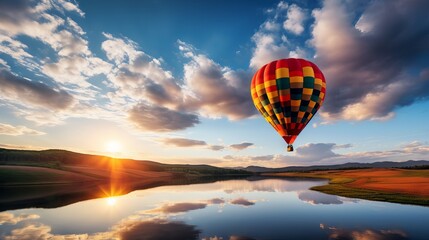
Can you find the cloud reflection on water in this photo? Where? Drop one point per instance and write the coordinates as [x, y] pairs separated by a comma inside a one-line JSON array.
[[41, 232], [128, 229], [242, 201], [314, 197], [159, 229], [364, 234], [177, 208]]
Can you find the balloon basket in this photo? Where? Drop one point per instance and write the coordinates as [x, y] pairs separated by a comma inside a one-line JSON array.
[[290, 148]]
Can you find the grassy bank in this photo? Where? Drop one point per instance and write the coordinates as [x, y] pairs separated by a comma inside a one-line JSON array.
[[389, 185]]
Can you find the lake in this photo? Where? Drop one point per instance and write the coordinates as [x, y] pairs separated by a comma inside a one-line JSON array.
[[229, 210]]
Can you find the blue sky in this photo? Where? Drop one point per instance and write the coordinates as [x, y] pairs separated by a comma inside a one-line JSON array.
[[169, 81]]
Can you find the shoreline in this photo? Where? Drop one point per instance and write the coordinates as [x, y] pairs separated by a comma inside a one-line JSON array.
[[372, 184]]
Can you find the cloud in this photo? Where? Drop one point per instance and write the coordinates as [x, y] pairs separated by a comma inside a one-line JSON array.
[[138, 75], [324, 153], [262, 158], [6, 129], [161, 119], [216, 201], [74, 61], [9, 218], [312, 151], [42, 37], [272, 43], [16, 50], [216, 147], [295, 19], [267, 49], [242, 201], [240, 160], [22, 147], [314, 197], [241, 146], [377, 52], [343, 146], [33, 93], [120, 50], [75, 69], [215, 91], [30, 232], [183, 142], [71, 7], [178, 208]]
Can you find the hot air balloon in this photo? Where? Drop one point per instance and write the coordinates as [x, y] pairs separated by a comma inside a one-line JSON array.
[[288, 93]]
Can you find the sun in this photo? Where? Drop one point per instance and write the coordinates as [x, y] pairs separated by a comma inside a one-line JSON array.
[[111, 201], [113, 146]]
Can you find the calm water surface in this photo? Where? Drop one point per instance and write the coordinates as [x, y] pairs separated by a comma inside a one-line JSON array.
[[229, 210]]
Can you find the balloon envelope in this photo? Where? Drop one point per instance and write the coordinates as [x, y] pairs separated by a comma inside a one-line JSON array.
[[288, 93]]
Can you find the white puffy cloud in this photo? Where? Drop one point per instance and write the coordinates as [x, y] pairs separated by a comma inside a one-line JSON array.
[[272, 42], [267, 49], [30, 232], [60, 73], [216, 91], [295, 19]]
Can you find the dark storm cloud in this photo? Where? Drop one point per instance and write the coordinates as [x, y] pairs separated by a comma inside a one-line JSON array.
[[161, 119], [183, 142], [20, 89], [241, 146], [367, 63]]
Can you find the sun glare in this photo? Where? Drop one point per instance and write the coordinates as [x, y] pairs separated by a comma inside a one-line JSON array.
[[111, 201], [113, 147]]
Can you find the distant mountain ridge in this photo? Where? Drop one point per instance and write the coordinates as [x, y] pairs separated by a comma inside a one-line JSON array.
[[352, 165]]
